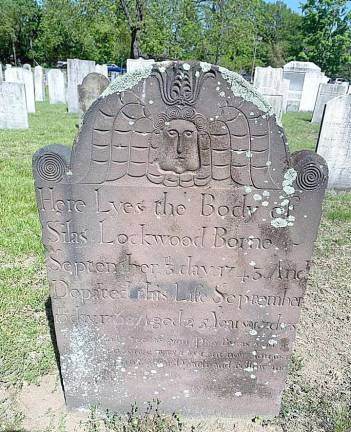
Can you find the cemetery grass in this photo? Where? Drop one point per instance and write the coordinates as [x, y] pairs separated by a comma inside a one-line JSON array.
[[317, 397]]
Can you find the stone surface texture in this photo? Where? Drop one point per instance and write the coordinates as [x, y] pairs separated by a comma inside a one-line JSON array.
[[56, 86], [178, 237], [77, 70], [91, 88], [39, 88], [334, 142], [13, 110], [326, 92]]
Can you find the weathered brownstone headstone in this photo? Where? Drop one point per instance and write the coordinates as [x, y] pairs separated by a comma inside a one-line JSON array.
[[178, 238], [91, 88]]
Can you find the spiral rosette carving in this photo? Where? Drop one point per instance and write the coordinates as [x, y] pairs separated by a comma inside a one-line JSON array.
[[311, 176], [51, 167]]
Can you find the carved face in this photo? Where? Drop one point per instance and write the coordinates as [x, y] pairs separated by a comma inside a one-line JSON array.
[[179, 151]]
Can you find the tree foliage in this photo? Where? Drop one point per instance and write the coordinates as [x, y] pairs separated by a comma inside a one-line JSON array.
[[327, 34], [237, 34]]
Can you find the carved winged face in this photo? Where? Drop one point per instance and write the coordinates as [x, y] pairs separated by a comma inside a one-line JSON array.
[[179, 151]]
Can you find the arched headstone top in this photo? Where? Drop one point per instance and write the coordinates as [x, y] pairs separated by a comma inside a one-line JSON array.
[[180, 124]]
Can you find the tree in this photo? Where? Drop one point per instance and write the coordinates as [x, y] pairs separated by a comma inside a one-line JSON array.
[[19, 21], [87, 29], [327, 34], [280, 29]]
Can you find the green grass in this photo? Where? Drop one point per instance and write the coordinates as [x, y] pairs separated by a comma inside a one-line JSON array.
[[25, 348], [300, 132]]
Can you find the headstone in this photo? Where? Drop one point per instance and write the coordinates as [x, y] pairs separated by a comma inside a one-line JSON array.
[[285, 92], [276, 101], [178, 237], [56, 86], [39, 88], [134, 65], [29, 86], [90, 89], [305, 78], [334, 142], [27, 66], [268, 80], [13, 110], [326, 92], [102, 69], [25, 76], [77, 70], [270, 83], [13, 74]]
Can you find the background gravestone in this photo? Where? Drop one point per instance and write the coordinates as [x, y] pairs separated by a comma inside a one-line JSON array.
[[76, 71], [90, 89], [13, 110], [270, 83], [178, 238], [102, 69], [134, 65], [39, 88], [56, 86], [334, 142], [277, 103], [326, 92], [24, 76], [268, 79], [305, 78], [27, 75]]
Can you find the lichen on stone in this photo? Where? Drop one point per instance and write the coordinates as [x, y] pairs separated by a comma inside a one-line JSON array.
[[240, 87], [205, 67], [128, 80]]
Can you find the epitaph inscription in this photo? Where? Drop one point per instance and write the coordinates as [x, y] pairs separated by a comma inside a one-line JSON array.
[[178, 239]]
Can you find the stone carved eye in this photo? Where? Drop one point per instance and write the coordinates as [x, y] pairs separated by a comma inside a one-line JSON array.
[[172, 133], [188, 133]]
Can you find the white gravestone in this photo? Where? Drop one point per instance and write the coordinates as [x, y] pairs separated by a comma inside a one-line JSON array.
[[77, 70], [334, 142], [270, 83], [134, 65], [268, 79], [39, 88], [101, 69], [305, 78], [56, 86], [29, 86], [13, 110], [25, 76], [326, 92], [276, 101]]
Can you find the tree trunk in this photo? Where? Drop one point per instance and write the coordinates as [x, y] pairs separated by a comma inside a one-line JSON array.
[[14, 52], [134, 43]]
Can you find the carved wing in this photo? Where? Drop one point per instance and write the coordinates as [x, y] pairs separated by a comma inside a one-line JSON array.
[[120, 139], [251, 140]]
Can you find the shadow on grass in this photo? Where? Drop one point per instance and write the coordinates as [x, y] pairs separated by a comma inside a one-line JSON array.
[[50, 319]]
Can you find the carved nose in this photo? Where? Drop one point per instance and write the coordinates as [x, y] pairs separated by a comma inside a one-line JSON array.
[[179, 145]]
